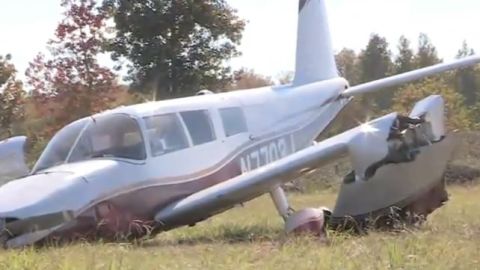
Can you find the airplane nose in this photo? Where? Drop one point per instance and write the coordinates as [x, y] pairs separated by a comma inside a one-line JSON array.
[[39, 194], [14, 232]]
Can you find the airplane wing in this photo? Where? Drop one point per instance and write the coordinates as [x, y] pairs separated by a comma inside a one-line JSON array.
[[224, 196], [375, 150], [411, 76]]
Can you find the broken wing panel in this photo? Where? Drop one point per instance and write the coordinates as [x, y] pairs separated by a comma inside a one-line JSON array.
[[395, 184], [418, 152]]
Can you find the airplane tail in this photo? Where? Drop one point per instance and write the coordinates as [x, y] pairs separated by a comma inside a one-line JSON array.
[[315, 58]]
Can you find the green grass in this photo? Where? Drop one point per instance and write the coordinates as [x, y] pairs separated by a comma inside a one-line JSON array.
[[252, 238]]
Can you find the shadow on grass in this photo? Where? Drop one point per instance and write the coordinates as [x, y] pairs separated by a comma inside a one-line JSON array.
[[461, 174], [229, 234], [224, 234]]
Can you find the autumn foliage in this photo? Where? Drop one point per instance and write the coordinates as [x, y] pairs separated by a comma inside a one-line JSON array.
[[70, 83], [457, 114], [175, 48], [11, 98]]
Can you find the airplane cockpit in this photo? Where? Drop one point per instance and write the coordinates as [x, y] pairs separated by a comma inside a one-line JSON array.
[[118, 135], [111, 135]]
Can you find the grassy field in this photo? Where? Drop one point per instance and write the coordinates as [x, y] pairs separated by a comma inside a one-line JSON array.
[[252, 238]]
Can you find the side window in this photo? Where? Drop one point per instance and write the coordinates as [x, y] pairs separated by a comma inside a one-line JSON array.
[[199, 126], [233, 121], [114, 135], [166, 134]]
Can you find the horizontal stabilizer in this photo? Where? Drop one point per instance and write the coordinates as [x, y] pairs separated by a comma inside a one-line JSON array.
[[411, 76]]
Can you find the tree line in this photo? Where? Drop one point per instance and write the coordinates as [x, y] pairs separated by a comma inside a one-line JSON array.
[[165, 48], [460, 89], [173, 48]]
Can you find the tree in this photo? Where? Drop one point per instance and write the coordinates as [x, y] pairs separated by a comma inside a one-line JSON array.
[[405, 60], [71, 79], [175, 47], [7, 70], [376, 63], [247, 79], [11, 98], [467, 80], [347, 64], [427, 53], [375, 60], [458, 116], [285, 77]]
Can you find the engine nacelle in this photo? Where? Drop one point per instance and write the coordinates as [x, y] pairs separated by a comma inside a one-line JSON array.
[[396, 159], [12, 159], [370, 145]]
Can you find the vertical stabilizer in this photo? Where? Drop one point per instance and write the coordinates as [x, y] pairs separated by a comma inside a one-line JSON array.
[[315, 59]]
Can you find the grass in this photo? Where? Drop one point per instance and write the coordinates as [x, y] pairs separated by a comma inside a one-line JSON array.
[[252, 238]]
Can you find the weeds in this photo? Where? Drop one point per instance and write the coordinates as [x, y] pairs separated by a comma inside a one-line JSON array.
[[252, 237]]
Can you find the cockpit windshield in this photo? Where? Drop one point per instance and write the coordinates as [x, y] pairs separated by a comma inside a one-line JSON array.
[[115, 136]]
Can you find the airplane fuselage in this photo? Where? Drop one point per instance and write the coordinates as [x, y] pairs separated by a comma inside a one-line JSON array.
[[225, 135]]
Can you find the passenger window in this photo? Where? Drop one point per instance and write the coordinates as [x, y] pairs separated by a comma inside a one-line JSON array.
[[233, 121], [166, 134], [199, 125]]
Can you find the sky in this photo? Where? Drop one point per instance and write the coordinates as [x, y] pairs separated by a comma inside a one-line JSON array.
[[268, 45]]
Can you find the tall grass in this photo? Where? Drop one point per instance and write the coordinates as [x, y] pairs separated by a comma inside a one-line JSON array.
[[252, 237]]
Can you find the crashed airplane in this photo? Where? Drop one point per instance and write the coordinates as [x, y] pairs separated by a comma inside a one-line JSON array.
[[162, 165]]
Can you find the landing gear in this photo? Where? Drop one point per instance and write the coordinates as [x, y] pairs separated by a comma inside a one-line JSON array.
[[281, 203], [310, 221], [4, 237], [116, 223], [313, 221], [306, 221]]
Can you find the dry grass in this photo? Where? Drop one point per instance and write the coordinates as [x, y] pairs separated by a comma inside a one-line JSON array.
[[251, 238]]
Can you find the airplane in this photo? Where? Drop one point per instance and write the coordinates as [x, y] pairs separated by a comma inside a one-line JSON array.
[[157, 166]]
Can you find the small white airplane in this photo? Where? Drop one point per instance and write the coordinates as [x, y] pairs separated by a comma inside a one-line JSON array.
[[178, 162]]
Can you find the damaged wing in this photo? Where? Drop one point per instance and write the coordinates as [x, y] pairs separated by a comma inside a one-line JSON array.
[[381, 152]]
